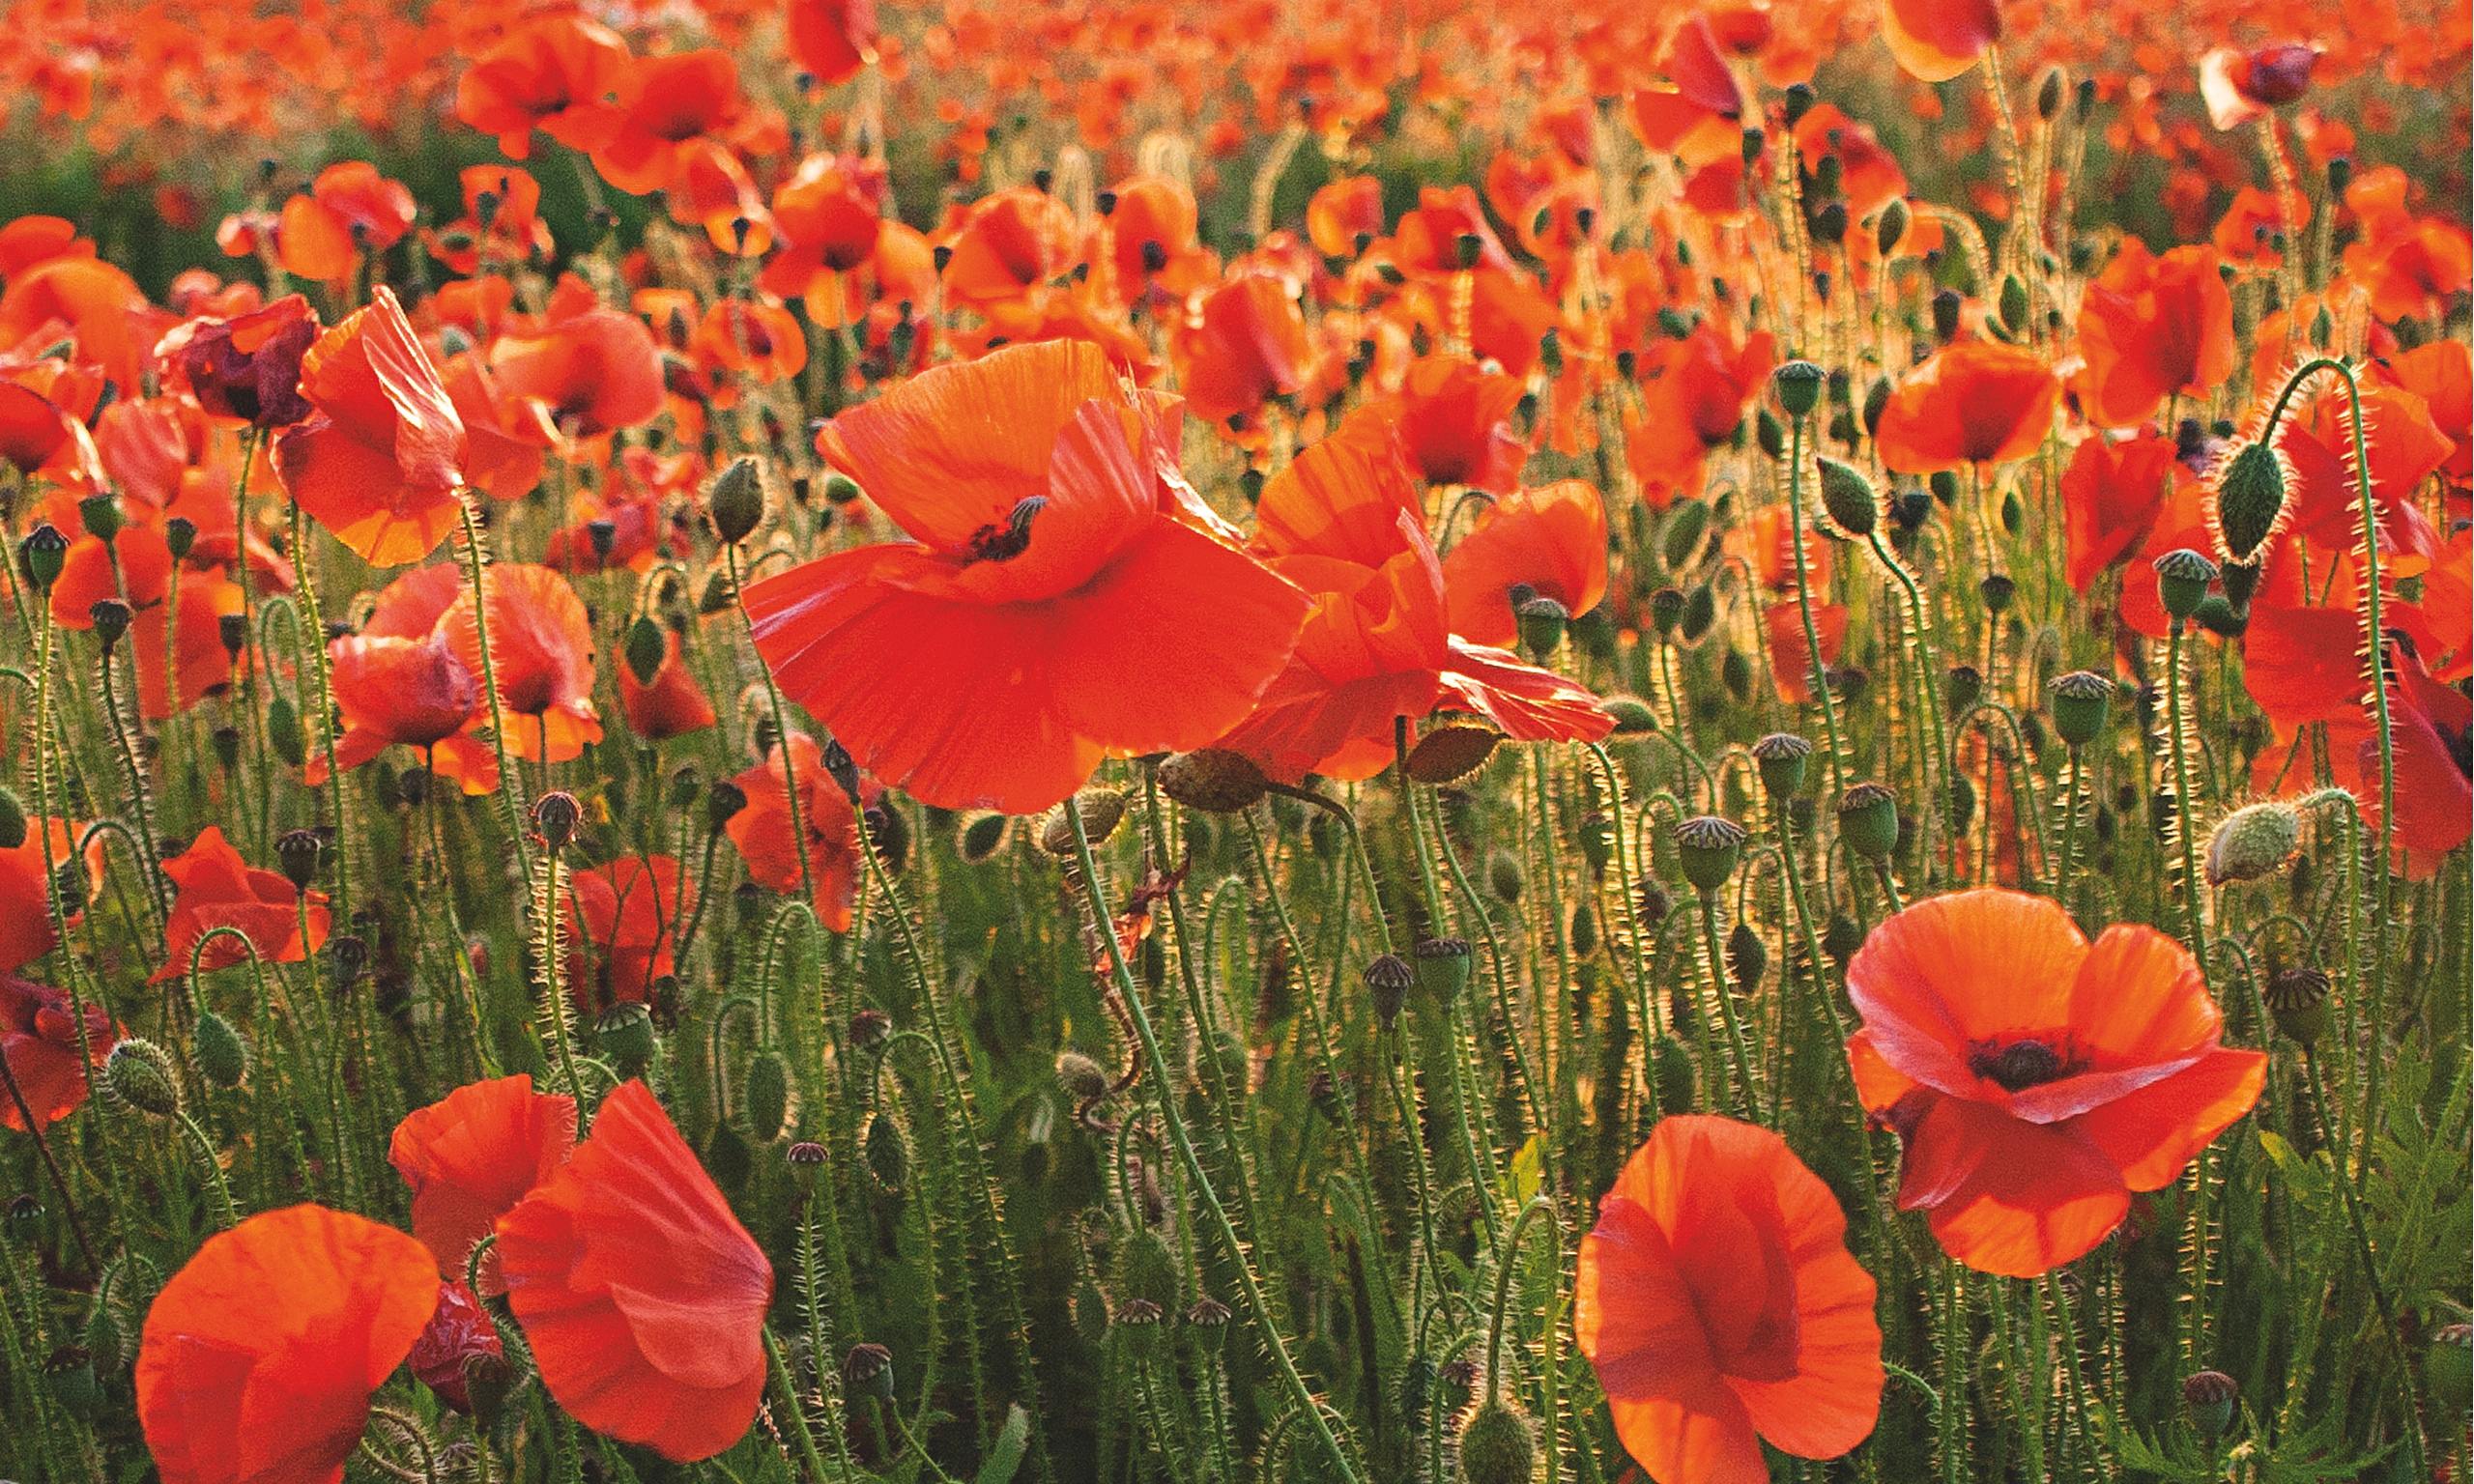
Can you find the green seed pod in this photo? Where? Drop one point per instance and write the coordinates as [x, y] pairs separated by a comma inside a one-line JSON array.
[[2298, 1003], [2210, 1396], [283, 732], [1783, 758], [1708, 847], [101, 515], [625, 1035], [222, 1056], [2247, 503], [1850, 500], [2182, 576], [13, 820], [1542, 621], [1747, 958], [2254, 843], [646, 648], [887, 1150], [1442, 966], [767, 1100], [43, 552], [1769, 433], [868, 1371], [139, 1074], [1671, 1072], [736, 500], [1504, 875], [981, 836], [1213, 781], [1799, 384], [2081, 703], [1497, 1445], [1868, 820]]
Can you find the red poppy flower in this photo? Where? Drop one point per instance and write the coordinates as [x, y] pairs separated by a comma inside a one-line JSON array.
[[541, 652], [1551, 540], [2155, 328], [1975, 402], [1345, 215], [412, 692], [1694, 393], [350, 208], [596, 371], [2442, 374], [555, 73], [2302, 650], [998, 655], [218, 889], [2241, 86], [2112, 493], [1153, 237], [470, 1156], [1242, 344], [25, 903], [1719, 1305], [101, 308], [642, 1295], [505, 438], [381, 462], [1009, 243], [247, 367], [501, 224], [673, 705], [1451, 420], [2407, 446], [1938, 40], [2037, 1079], [620, 929], [826, 218], [831, 40], [665, 101], [710, 188], [43, 443], [259, 1356], [1696, 111], [39, 1037], [458, 1333], [757, 341], [761, 832]]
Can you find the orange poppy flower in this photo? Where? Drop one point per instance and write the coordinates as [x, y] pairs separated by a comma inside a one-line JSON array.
[[761, 832], [1153, 234], [1345, 216], [1694, 393], [1719, 1305], [469, 1157], [1696, 111], [43, 443], [2429, 727], [754, 339], [218, 889], [594, 371], [25, 903], [1934, 40], [247, 367], [1550, 540], [2154, 328], [505, 438], [259, 1356], [2407, 446], [350, 208], [414, 691], [664, 102], [2442, 374], [2112, 493], [541, 651], [673, 705], [1975, 402], [826, 218], [1451, 420], [620, 929], [380, 463], [555, 73], [502, 223], [642, 1295], [39, 1039], [99, 306], [831, 40], [1242, 344], [1054, 562], [1007, 243], [2034, 1078]]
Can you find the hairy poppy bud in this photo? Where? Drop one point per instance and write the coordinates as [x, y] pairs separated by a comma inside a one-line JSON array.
[[295, 855], [1442, 966], [886, 1152], [2254, 843], [2049, 93], [1849, 497], [1084, 1079], [1671, 1074], [736, 500], [555, 816], [981, 836], [2080, 703], [1799, 386], [13, 820], [2298, 1003], [1448, 753], [2182, 576], [1800, 99], [767, 1099], [1102, 809], [723, 801], [2014, 304], [1890, 228], [646, 648], [1497, 1445], [1632, 715], [1666, 609], [283, 732], [43, 550], [1829, 223], [1708, 847], [1679, 535], [2246, 504], [1782, 758], [1213, 781], [2210, 1396], [840, 767], [139, 1074], [1868, 820], [1747, 958], [1735, 672], [223, 1055], [1504, 876]]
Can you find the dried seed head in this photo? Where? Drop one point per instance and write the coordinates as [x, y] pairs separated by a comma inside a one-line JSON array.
[[2182, 576], [2210, 1396], [1388, 981], [296, 854], [555, 818]]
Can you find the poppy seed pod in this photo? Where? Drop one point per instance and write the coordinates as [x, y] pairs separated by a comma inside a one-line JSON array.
[[180, 536], [869, 1370], [722, 802], [736, 500], [804, 1158], [43, 552], [1497, 1445], [1442, 966], [139, 1074], [1709, 847], [2182, 576], [1962, 687], [1782, 758], [554, 817], [2210, 1396], [2298, 1003], [626, 1035], [1868, 820], [2080, 701], [1388, 981], [1543, 620], [102, 515], [2247, 503], [1799, 386], [2254, 843], [295, 855], [1666, 609], [1084, 1079], [1214, 781], [1849, 497]]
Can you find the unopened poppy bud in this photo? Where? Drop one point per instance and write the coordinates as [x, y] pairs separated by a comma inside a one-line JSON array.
[[1829, 223], [869, 1370], [1753, 142], [1084, 1079], [1388, 981], [1800, 99], [2247, 503], [890, 833], [2080, 703], [722, 802], [295, 855], [2014, 304], [227, 742], [1679, 535], [222, 1056], [840, 767], [767, 1099], [1442, 966], [1962, 686], [180, 536], [1448, 753], [1747, 958], [1946, 306], [1868, 820], [139, 1074], [1102, 809], [980, 835], [2048, 94], [1632, 715], [840, 489], [1666, 607], [625, 1033], [736, 500], [1497, 1445], [1890, 228], [1468, 247], [1671, 1074], [43, 550], [1541, 621], [1709, 847], [1504, 875], [2298, 1003], [2254, 843], [102, 515], [1213, 781], [1596, 837], [1700, 612], [554, 817], [13, 820], [1550, 353], [1735, 672], [283, 731], [886, 1152], [2210, 1396], [1783, 758], [1799, 386], [1768, 433], [1849, 497], [2182, 576]]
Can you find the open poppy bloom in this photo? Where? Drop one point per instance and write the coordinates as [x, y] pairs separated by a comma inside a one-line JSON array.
[[350, 208], [416, 692], [38, 1037], [761, 831], [664, 103], [381, 462], [259, 1356], [1974, 403], [1696, 111], [1451, 421], [594, 371], [2240, 87], [673, 705], [470, 1156], [1550, 540], [1934, 40], [2112, 493], [2154, 328], [641, 1294], [541, 652], [1345, 215], [622, 928], [246, 367], [995, 658], [1694, 393], [831, 40], [555, 73], [218, 889], [1244, 344], [1719, 1301], [2037, 1079]]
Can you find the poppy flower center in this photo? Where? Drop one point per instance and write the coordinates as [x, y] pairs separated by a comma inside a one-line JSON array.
[[2021, 1064], [1006, 539]]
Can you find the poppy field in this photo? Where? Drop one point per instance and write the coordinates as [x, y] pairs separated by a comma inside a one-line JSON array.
[[1146, 742]]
